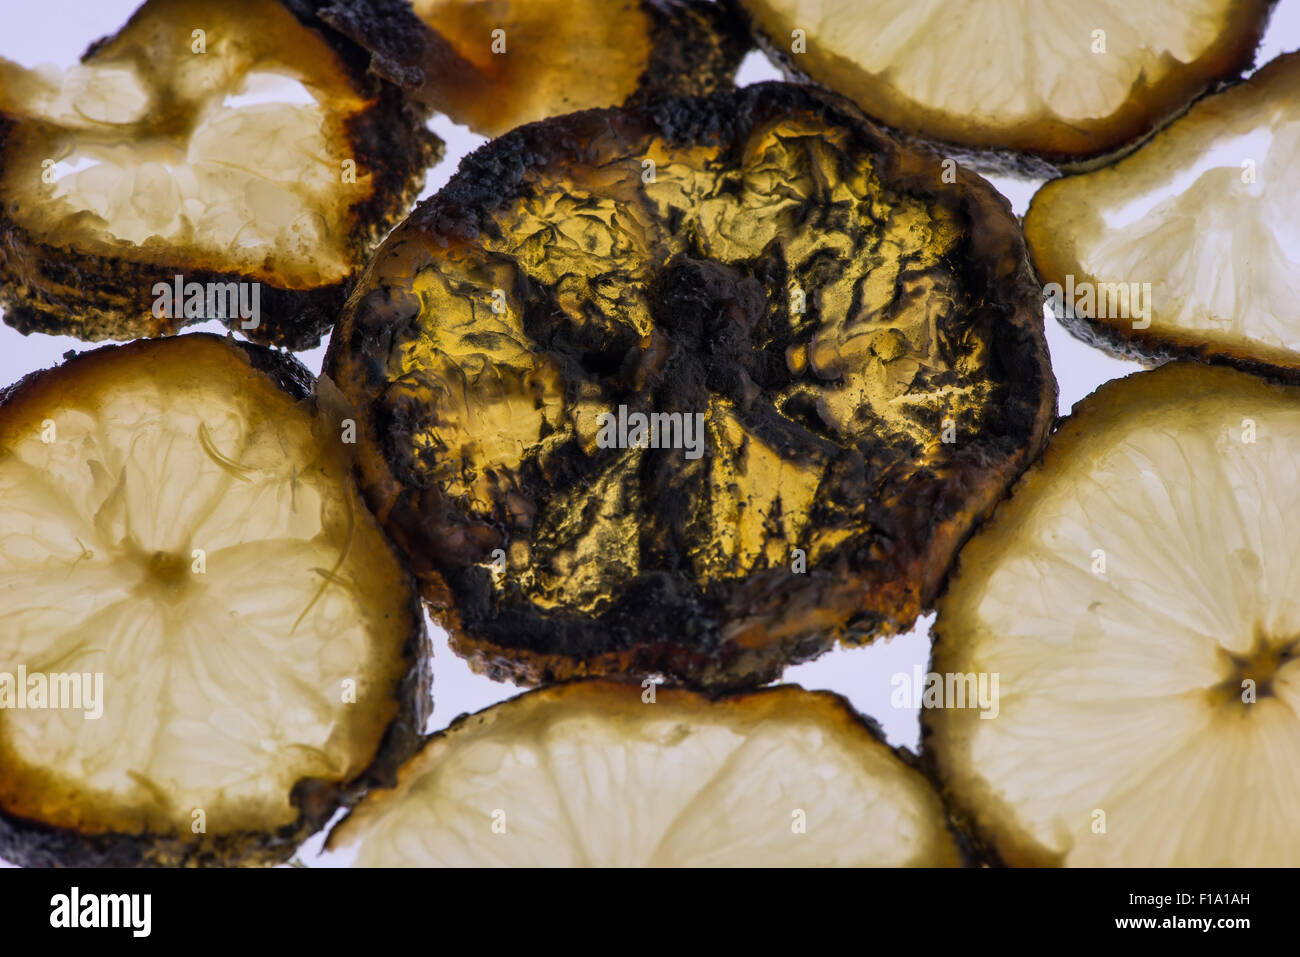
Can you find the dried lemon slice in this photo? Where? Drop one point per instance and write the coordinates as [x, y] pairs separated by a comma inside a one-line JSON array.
[[604, 774], [206, 643], [1057, 79], [497, 64], [1188, 246], [1137, 597], [217, 143], [842, 355]]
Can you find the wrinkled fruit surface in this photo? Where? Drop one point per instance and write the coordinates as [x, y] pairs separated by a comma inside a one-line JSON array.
[[850, 349]]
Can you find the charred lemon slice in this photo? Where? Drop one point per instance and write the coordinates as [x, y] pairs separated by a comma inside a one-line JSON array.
[[692, 389], [497, 64], [1137, 597], [610, 775], [1054, 80], [231, 147], [206, 643], [1188, 246]]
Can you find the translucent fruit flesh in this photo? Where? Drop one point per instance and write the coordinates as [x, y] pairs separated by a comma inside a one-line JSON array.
[[201, 141], [1205, 214], [1137, 598], [1056, 78], [497, 64], [178, 524], [590, 774], [552, 58]]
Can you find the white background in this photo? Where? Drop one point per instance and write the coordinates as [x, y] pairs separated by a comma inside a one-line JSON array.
[[57, 32]]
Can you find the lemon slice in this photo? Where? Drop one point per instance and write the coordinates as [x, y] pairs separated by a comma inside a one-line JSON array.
[[1136, 597], [1189, 245], [1059, 79], [232, 143], [835, 361], [604, 774], [222, 633]]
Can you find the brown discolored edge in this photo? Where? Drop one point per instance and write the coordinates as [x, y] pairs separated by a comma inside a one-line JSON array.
[[1150, 346], [1139, 345], [29, 843], [1137, 121], [62, 291], [696, 47], [1095, 414], [727, 642]]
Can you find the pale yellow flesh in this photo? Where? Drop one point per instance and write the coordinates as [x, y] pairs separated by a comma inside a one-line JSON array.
[[1206, 213], [594, 775], [186, 534], [991, 70], [1122, 737], [235, 154]]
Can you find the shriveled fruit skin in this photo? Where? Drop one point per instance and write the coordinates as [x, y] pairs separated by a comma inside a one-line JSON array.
[[623, 563], [636, 50], [1065, 214], [34, 843], [626, 718], [1032, 153], [60, 287]]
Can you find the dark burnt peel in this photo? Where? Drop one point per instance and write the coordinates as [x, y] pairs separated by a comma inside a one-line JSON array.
[[824, 428], [554, 58]]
